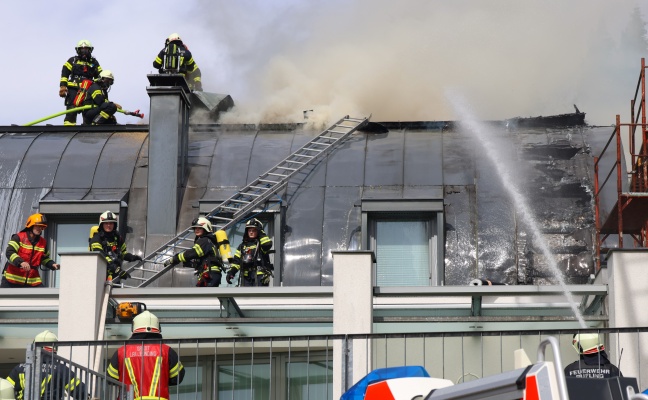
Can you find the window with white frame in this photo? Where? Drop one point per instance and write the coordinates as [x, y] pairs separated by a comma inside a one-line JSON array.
[[407, 239]]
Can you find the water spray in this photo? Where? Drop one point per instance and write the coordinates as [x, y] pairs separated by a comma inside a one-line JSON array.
[[482, 133]]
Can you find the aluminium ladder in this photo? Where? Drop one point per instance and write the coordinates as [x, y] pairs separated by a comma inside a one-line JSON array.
[[241, 204]]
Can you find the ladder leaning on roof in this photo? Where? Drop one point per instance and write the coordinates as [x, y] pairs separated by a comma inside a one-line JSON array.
[[237, 207]]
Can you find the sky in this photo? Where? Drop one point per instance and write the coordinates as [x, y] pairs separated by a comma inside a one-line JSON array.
[[393, 60]]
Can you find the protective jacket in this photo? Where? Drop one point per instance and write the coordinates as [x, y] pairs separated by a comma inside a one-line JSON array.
[[595, 365], [75, 70], [252, 257], [103, 110], [205, 258], [56, 379], [151, 367], [34, 251], [113, 247], [175, 57]]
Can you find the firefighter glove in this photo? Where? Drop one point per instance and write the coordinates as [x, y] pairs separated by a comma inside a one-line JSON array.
[[132, 257], [119, 107], [170, 262], [230, 276], [63, 91]]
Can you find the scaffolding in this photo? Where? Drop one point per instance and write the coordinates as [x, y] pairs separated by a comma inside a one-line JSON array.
[[629, 216]]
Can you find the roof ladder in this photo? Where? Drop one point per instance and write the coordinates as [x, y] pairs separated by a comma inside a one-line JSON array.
[[260, 190]]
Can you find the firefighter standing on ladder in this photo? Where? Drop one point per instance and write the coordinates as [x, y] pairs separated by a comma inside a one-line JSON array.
[[175, 58], [75, 70], [252, 257]]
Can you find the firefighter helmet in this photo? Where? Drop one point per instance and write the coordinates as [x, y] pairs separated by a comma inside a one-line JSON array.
[[587, 343], [46, 336], [173, 37], [84, 48], [202, 222], [36, 219], [108, 216], [254, 223], [106, 78], [6, 390], [146, 322]]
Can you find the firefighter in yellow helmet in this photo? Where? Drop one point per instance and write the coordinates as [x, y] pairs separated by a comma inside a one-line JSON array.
[[175, 58], [205, 256], [593, 361], [75, 70], [151, 366], [26, 253], [252, 257], [112, 246], [56, 377]]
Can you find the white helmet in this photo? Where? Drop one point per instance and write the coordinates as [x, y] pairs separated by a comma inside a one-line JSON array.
[[46, 336], [84, 43], [6, 390], [106, 73], [108, 216], [173, 37], [587, 343], [202, 222], [146, 322]]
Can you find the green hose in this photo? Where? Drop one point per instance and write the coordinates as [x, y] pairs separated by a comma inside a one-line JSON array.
[[76, 109]]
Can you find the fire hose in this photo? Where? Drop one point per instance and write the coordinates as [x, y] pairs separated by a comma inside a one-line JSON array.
[[135, 113]]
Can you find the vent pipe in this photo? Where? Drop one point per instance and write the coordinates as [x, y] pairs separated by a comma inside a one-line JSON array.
[[167, 155]]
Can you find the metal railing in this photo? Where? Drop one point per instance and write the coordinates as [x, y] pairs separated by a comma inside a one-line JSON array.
[[323, 367]]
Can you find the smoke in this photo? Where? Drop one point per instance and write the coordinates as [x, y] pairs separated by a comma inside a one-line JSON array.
[[395, 59]]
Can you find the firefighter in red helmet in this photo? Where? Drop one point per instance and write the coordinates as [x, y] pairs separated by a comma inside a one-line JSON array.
[[26, 253]]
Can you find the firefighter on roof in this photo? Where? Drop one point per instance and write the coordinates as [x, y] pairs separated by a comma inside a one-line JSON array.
[[175, 58], [111, 245], [57, 381], [207, 254], [593, 361], [151, 366], [26, 252], [103, 110], [252, 256], [75, 70]]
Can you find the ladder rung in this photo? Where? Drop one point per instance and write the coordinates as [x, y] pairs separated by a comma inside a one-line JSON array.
[[138, 278], [221, 218], [259, 187], [303, 155], [295, 162], [268, 181], [309, 149], [322, 144], [281, 175], [152, 271], [341, 133], [240, 201], [288, 168], [329, 138], [243, 193]]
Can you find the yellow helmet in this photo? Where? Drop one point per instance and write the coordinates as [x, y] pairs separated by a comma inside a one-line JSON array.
[[146, 322], [36, 219], [587, 343], [6, 390], [84, 43]]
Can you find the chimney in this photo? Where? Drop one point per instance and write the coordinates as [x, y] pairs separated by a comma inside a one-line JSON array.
[[168, 141]]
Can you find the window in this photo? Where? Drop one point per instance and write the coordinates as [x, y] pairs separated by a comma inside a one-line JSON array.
[[407, 238], [235, 237]]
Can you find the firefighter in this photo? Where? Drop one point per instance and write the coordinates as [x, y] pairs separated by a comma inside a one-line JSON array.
[[252, 257], [103, 110], [175, 58], [593, 361], [26, 252], [56, 377], [151, 366], [112, 246], [75, 70], [204, 256]]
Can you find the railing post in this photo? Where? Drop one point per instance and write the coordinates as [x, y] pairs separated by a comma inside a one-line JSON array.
[[619, 186]]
